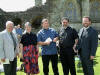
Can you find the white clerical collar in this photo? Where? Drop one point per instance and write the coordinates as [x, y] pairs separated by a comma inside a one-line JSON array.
[[66, 27], [86, 27]]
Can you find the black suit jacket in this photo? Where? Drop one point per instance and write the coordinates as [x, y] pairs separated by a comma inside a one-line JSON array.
[[88, 43]]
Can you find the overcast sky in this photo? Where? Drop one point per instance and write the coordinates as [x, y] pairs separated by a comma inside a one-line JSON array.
[[16, 5]]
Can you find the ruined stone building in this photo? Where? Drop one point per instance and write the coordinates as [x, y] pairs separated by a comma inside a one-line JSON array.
[[54, 10]]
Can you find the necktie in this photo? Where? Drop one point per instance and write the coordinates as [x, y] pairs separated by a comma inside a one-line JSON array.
[[14, 41], [83, 33]]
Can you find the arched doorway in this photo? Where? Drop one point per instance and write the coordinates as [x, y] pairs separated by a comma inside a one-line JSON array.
[[36, 22], [17, 21]]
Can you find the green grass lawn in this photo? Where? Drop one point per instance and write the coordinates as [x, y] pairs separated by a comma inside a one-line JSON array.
[[78, 66]]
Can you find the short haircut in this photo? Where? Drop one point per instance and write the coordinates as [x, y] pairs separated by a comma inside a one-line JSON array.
[[9, 22], [44, 20], [87, 17], [27, 23], [64, 18]]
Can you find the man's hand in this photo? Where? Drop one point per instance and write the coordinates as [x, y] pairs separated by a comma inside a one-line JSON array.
[[47, 43], [44, 43], [17, 55], [21, 56], [3, 60], [75, 49], [55, 39], [91, 57], [18, 36]]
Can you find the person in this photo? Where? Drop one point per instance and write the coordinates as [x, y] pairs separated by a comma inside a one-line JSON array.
[[19, 31], [9, 49], [28, 46], [87, 45], [47, 38], [14, 30], [68, 39]]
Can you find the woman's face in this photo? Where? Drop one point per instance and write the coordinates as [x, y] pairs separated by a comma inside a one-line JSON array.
[[28, 28]]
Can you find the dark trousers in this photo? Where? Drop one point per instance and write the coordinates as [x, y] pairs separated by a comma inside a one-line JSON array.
[[10, 69], [87, 65], [54, 61], [68, 63]]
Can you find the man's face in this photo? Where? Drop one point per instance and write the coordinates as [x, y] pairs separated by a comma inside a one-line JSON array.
[[9, 27], [86, 22], [45, 25], [65, 23]]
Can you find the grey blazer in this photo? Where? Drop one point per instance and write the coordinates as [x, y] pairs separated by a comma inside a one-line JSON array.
[[7, 46], [88, 44]]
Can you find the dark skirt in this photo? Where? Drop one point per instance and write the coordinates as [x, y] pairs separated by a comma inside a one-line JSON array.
[[30, 59]]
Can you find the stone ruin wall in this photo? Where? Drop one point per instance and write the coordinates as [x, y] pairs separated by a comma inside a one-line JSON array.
[[54, 10]]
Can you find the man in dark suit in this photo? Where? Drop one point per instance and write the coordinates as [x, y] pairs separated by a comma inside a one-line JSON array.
[[87, 46]]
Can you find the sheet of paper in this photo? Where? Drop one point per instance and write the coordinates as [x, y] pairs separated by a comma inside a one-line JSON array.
[[1, 68], [48, 40], [6, 61]]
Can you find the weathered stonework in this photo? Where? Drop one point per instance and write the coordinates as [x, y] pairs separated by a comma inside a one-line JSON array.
[[38, 2], [54, 10], [95, 10]]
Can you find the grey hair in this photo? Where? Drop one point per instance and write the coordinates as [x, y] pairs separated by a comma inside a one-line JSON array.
[[27, 23], [9, 22]]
